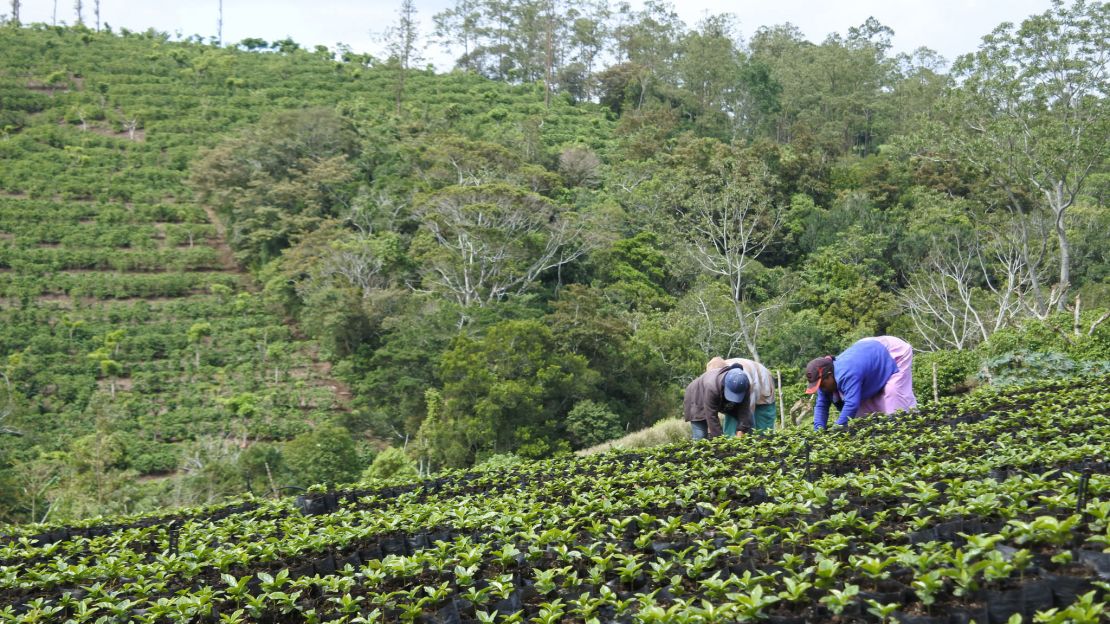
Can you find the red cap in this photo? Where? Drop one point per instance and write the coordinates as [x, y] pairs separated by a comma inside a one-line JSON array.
[[816, 370]]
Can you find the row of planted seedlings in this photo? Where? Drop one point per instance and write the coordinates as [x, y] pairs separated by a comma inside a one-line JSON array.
[[45, 260], [564, 471], [114, 285], [950, 412], [477, 483], [803, 550], [20, 210], [31, 234], [361, 541]]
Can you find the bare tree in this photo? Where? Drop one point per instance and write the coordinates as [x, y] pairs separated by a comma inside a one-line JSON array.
[[96, 13], [220, 22], [955, 301], [1030, 115], [720, 333], [15, 12], [36, 477], [494, 241], [732, 220], [356, 262], [369, 212], [79, 7], [131, 125]]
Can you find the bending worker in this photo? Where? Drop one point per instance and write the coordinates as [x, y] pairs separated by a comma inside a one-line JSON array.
[[761, 394], [723, 390], [873, 375]]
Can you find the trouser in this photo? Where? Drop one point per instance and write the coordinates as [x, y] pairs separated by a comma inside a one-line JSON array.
[[898, 392], [764, 416], [699, 429]]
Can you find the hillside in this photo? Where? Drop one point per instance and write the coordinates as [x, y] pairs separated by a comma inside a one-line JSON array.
[[133, 340], [256, 267], [990, 508], [143, 364]]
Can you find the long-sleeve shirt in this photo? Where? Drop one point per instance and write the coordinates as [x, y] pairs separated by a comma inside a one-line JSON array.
[[860, 371], [762, 390], [704, 398]]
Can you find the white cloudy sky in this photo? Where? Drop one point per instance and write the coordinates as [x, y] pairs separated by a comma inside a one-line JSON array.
[[952, 27]]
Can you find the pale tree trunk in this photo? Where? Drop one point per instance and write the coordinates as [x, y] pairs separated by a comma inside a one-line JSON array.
[[549, 56], [1059, 204], [9, 406]]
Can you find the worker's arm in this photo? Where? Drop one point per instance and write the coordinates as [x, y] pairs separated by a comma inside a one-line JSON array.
[[821, 410], [850, 390], [744, 418], [713, 421]]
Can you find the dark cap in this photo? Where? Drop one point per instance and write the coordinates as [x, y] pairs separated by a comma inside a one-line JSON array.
[[816, 370], [736, 385]]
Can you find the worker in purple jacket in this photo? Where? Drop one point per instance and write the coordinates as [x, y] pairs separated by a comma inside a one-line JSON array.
[[873, 375]]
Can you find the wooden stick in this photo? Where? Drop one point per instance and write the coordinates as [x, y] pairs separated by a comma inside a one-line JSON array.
[[1075, 326], [782, 412], [936, 391]]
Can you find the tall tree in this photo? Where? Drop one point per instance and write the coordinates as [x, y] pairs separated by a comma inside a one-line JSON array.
[[15, 12], [1030, 115], [731, 220], [484, 243], [709, 66], [220, 22], [588, 38], [831, 94], [96, 13], [648, 39], [459, 25], [79, 7], [402, 42]]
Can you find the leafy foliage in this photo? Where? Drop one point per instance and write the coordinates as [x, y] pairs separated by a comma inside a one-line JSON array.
[[979, 507]]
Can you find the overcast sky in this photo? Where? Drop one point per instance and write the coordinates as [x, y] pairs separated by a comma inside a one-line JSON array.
[[951, 27]]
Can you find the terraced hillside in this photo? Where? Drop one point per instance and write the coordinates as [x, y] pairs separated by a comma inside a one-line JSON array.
[[992, 508], [127, 326], [132, 344], [130, 323]]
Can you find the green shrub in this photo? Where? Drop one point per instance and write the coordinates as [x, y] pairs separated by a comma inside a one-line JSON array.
[[390, 464], [590, 423], [325, 455], [1021, 367], [501, 460], [955, 373], [1056, 334]]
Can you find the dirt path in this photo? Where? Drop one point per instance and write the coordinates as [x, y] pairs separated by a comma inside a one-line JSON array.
[[226, 257], [321, 366]]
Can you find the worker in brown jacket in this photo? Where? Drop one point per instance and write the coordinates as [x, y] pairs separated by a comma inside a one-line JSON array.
[[761, 394], [720, 390]]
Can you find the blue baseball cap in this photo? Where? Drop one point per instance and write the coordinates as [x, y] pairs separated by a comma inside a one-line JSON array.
[[736, 385]]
